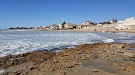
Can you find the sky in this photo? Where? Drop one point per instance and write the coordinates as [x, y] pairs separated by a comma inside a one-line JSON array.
[[33, 13]]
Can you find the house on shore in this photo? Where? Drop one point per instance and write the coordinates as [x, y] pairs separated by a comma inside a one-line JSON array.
[[66, 26], [54, 27], [62, 26], [78, 26], [43, 28], [70, 26], [128, 23], [87, 24]]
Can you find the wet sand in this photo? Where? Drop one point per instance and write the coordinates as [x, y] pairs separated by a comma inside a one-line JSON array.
[[86, 59]]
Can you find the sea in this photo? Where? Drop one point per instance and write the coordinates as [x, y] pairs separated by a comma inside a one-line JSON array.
[[22, 41]]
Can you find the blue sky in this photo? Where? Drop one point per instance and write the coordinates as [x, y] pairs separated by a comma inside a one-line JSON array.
[[28, 13]]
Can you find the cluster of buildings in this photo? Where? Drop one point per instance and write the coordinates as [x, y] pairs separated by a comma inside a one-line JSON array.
[[114, 24], [63, 26], [128, 23], [67, 26]]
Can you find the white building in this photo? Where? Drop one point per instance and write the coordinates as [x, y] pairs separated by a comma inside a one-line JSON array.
[[126, 24], [67, 26], [53, 26], [70, 26], [129, 21], [87, 24], [61, 26]]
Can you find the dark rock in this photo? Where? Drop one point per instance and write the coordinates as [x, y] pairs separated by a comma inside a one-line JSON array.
[[35, 56]]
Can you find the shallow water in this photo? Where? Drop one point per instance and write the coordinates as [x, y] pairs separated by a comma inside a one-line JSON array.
[[21, 41]]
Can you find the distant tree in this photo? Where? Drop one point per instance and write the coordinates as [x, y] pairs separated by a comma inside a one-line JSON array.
[[64, 23], [17, 27], [115, 20], [95, 23]]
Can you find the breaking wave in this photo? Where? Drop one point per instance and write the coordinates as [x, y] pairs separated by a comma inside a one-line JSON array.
[[17, 42]]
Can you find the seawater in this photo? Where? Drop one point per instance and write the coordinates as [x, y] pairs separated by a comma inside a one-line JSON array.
[[21, 41]]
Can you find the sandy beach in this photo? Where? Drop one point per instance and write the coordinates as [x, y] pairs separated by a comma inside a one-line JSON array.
[[87, 59], [98, 30]]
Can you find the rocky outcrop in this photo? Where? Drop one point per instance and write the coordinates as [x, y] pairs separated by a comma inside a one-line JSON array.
[[112, 54], [21, 72], [71, 57], [35, 56], [65, 59]]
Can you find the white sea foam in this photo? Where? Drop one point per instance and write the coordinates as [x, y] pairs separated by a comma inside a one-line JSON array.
[[121, 33], [108, 40], [16, 42]]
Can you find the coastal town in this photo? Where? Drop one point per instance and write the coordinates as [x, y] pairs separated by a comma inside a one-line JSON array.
[[67, 37], [111, 25]]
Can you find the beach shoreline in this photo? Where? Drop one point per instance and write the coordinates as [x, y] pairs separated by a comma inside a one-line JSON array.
[[86, 30], [92, 30], [97, 58], [104, 30]]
